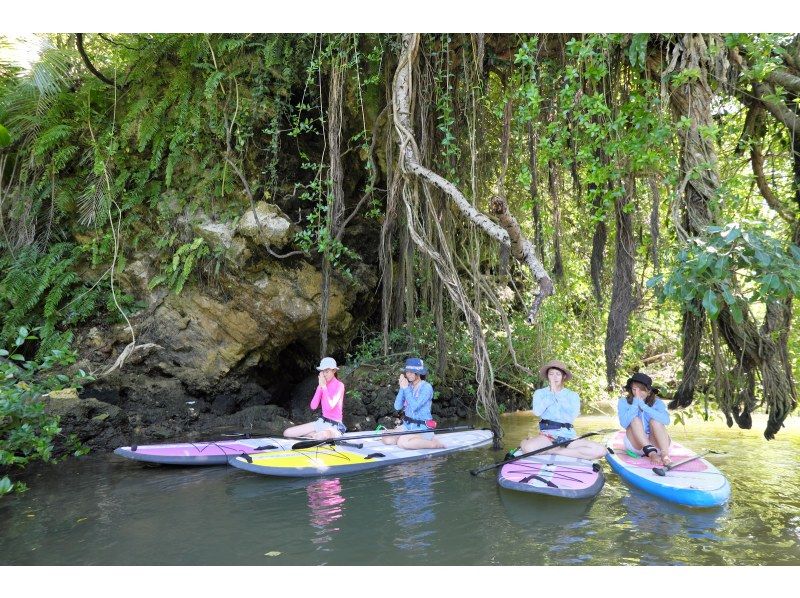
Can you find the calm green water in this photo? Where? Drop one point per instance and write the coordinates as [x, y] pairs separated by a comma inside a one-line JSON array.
[[103, 510]]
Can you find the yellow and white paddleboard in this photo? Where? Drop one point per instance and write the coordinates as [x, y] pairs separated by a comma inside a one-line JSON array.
[[336, 459]]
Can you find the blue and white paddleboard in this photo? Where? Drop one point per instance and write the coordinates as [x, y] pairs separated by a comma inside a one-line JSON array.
[[695, 484]]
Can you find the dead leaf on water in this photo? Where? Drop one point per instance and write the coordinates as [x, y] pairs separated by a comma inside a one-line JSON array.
[[81, 519], [272, 553]]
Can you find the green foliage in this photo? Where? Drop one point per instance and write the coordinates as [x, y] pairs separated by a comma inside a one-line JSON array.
[[27, 433], [43, 291], [177, 271], [734, 266]]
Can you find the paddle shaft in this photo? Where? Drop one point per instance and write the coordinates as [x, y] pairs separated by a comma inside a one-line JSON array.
[[538, 451], [312, 443], [662, 471]]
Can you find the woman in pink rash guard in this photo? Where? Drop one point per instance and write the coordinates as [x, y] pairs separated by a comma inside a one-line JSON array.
[[329, 395]]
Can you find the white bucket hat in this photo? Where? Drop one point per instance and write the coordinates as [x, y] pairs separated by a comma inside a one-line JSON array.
[[327, 363]]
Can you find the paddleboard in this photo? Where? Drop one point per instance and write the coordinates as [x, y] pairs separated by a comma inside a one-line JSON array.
[[215, 452], [336, 459], [695, 484], [553, 475]]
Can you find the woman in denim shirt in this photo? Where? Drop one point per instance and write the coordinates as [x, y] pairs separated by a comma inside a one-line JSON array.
[[414, 398], [558, 407], [644, 417]]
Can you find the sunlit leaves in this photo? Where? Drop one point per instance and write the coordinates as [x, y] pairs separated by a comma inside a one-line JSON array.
[[732, 266]]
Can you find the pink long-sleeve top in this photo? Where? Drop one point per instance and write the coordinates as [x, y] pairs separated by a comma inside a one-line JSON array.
[[331, 397]]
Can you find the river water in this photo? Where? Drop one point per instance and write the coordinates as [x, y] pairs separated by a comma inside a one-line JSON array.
[[104, 510]]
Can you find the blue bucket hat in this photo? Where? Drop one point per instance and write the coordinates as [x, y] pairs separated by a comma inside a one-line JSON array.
[[415, 366]]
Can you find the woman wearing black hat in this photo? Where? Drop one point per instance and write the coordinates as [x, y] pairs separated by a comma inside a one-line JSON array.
[[644, 417]]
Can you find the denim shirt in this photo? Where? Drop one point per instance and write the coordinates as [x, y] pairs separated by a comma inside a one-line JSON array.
[[627, 413], [415, 404], [562, 406]]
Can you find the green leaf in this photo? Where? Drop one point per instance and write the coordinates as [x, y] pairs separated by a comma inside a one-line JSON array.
[[763, 258], [728, 296], [710, 303], [17, 357], [5, 485], [5, 139], [3, 353], [736, 312], [638, 48], [732, 234], [654, 281]]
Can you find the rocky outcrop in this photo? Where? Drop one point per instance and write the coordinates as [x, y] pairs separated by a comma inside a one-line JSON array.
[[250, 313], [222, 344], [267, 224]]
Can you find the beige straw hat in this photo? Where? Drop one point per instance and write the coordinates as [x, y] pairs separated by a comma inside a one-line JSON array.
[[555, 363]]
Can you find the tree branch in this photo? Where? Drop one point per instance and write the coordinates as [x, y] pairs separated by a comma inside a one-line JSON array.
[[88, 63]]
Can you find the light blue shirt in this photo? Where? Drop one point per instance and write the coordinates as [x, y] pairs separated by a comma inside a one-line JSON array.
[[639, 408], [563, 406], [415, 403]]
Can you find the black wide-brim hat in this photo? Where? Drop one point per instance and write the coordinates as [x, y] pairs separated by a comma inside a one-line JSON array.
[[641, 379]]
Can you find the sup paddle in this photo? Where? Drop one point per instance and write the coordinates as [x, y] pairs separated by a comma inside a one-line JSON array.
[[538, 451], [312, 443], [662, 471]]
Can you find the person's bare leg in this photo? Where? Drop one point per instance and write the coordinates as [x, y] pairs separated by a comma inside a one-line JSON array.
[[582, 449], [393, 439], [534, 444], [636, 435], [659, 437], [412, 441], [300, 431]]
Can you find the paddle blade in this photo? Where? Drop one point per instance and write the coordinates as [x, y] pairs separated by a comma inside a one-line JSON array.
[[308, 444], [659, 471]]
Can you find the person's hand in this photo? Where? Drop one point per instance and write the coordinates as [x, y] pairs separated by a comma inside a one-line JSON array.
[[321, 378], [402, 381]]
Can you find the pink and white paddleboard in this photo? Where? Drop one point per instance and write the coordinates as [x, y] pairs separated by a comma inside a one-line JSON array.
[[554, 475]]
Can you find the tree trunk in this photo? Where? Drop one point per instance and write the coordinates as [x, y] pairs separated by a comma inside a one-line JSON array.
[[598, 246], [700, 182], [538, 234], [623, 301], [552, 186]]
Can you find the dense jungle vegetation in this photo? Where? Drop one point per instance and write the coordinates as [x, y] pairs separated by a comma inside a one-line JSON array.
[[621, 202]]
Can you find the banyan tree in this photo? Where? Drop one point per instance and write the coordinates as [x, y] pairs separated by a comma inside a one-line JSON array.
[[510, 190]]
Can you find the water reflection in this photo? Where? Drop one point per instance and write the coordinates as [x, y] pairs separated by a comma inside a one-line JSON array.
[[534, 512], [650, 531], [413, 500], [326, 503]]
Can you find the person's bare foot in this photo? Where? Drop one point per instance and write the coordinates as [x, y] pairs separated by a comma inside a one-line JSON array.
[[655, 458]]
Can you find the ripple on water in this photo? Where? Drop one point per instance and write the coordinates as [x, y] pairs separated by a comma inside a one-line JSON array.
[[104, 510]]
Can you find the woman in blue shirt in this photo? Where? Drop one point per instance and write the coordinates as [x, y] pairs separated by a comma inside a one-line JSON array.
[[558, 407], [414, 398], [644, 417]]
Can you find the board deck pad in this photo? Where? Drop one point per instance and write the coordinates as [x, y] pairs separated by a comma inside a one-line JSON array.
[[214, 452], [554, 475], [331, 460], [696, 483]]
